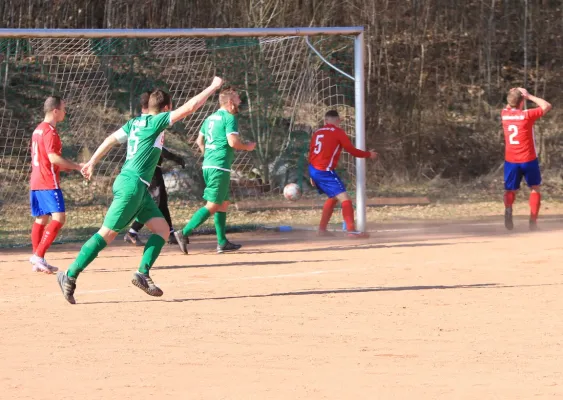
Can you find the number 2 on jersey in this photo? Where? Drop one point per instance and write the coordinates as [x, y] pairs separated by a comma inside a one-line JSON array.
[[513, 129], [318, 144]]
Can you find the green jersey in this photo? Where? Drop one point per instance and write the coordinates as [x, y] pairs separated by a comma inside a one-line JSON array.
[[215, 129], [145, 137]]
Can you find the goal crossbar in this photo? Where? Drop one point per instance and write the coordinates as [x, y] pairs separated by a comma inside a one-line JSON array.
[[160, 33], [359, 77]]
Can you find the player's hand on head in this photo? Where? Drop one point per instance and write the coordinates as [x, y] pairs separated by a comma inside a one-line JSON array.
[[524, 92]]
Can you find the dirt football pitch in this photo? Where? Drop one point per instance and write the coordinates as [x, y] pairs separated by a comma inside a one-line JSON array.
[[417, 311]]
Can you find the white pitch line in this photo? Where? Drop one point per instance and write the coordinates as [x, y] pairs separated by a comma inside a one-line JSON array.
[[210, 281], [293, 275], [54, 294]]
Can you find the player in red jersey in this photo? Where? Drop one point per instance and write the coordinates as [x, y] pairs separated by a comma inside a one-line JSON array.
[[324, 152], [46, 197], [521, 159]]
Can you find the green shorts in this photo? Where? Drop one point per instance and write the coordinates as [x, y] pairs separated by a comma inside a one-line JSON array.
[[217, 185], [131, 198]]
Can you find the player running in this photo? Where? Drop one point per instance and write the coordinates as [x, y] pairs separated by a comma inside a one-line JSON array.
[[324, 152], [521, 159], [46, 198], [157, 188], [218, 138], [145, 137]]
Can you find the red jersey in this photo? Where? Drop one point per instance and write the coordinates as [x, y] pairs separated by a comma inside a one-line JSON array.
[[518, 126], [326, 145], [44, 175]]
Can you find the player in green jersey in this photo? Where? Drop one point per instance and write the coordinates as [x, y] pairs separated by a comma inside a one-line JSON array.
[[218, 139], [145, 137]]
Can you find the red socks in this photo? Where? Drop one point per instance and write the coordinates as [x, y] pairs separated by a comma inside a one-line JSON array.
[[328, 208], [535, 202], [509, 198], [49, 236], [348, 215], [36, 235]]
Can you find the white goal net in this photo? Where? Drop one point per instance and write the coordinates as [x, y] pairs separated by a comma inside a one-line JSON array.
[[285, 89]]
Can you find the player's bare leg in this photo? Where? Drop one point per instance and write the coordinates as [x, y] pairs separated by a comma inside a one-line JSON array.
[[199, 217], [220, 217], [49, 234], [87, 254], [535, 203], [348, 215], [509, 197], [141, 278]]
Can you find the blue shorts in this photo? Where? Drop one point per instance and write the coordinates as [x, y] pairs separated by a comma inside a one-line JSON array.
[[327, 182], [513, 173], [46, 202]]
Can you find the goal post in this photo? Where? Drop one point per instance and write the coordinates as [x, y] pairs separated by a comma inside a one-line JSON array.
[[359, 92], [287, 85]]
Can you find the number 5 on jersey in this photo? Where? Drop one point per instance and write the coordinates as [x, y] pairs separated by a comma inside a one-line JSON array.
[[513, 129], [318, 144], [132, 144]]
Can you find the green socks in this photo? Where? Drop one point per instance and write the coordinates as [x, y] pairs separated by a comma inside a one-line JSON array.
[[88, 253], [96, 243], [221, 227], [199, 217], [151, 252]]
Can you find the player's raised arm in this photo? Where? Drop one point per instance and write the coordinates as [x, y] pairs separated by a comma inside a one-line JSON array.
[[193, 104], [541, 103]]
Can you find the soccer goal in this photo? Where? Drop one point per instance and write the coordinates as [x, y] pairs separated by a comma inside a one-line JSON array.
[[288, 78]]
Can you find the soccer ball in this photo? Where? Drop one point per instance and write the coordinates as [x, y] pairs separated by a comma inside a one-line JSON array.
[[292, 192]]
